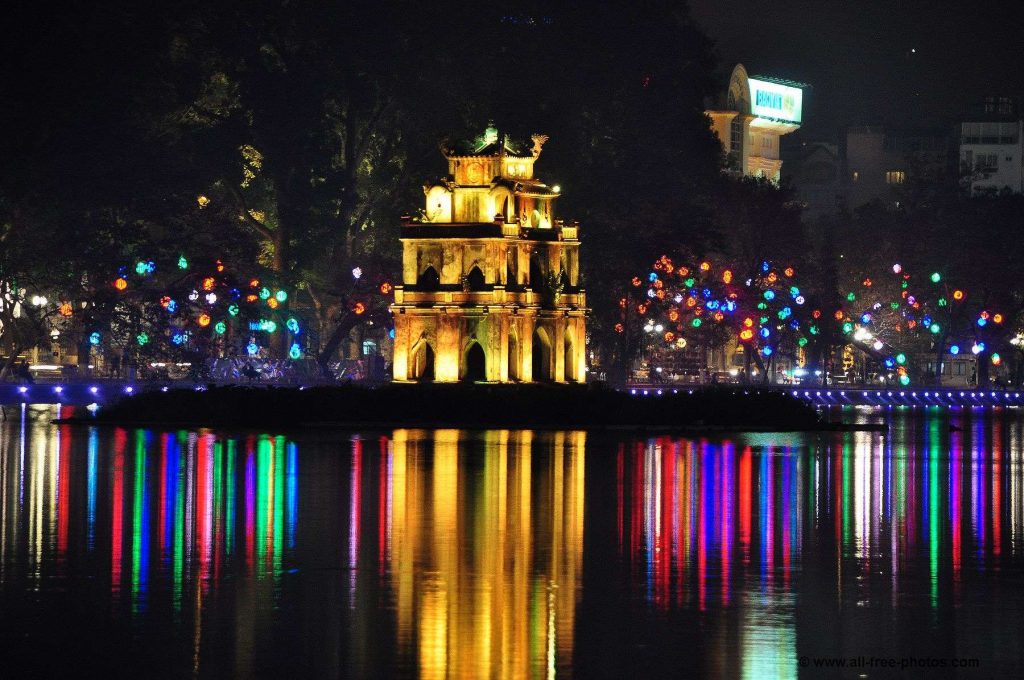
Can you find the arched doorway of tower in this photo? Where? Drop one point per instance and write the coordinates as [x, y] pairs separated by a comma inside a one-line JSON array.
[[536, 273], [429, 279], [476, 363], [513, 358], [569, 362], [422, 368], [475, 279], [542, 370]]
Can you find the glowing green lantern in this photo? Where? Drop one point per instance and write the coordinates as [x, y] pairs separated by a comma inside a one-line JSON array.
[[220, 327], [281, 296], [901, 358]]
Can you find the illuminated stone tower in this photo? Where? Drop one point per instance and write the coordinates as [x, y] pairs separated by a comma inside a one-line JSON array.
[[490, 279]]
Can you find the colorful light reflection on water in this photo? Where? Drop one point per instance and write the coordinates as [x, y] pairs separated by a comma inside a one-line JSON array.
[[509, 553]]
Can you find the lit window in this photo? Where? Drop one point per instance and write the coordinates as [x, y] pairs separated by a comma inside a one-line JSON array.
[[895, 177], [856, 175]]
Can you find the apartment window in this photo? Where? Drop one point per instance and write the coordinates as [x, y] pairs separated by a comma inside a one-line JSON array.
[[895, 177], [736, 137], [987, 162], [856, 175]]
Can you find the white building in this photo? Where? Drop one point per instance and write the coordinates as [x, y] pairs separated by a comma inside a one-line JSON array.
[[758, 111], [992, 148]]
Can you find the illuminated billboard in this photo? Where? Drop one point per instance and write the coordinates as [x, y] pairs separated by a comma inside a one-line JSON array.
[[772, 100]]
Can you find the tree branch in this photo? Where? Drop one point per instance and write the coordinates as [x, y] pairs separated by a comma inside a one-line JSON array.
[[257, 226]]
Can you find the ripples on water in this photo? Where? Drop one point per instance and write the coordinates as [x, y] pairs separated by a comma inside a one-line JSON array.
[[509, 553]]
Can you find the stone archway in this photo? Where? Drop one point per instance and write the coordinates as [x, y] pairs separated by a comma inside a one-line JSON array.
[[542, 369], [568, 364], [536, 273], [429, 279], [476, 363], [475, 279], [421, 366], [513, 358]]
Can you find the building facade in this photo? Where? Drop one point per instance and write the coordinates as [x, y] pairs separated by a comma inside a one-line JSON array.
[[881, 161], [816, 173], [490, 278], [758, 111], [991, 147]]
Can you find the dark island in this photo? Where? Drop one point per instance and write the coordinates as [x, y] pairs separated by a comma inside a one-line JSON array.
[[433, 405]]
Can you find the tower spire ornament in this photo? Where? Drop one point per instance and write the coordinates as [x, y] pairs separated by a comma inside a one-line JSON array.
[[538, 143], [490, 279]]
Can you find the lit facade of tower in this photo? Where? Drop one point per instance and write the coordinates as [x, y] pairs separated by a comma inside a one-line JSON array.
[[490, 279]]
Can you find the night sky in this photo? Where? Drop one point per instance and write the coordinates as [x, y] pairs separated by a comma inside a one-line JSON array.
[[901, 62]]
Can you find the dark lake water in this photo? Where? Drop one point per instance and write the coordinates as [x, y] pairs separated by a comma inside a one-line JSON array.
[[474, 554]]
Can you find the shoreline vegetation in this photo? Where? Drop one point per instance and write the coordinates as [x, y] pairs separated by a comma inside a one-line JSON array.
[[461, 405]]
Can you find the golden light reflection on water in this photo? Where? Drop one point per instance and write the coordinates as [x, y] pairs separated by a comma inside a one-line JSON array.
[[486, 567]]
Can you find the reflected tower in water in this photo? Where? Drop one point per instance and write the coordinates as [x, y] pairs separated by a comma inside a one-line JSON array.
[[484, 549]]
